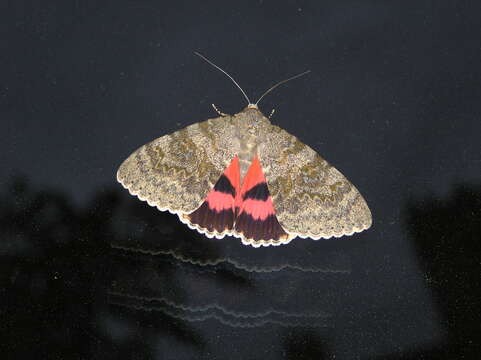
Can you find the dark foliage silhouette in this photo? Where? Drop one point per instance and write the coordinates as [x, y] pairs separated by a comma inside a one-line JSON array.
[[446, 233], [306, 344], [56, 269]]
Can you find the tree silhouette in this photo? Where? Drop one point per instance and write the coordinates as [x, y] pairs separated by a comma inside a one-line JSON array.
[[446, 235], [305, 343], [56, 269]]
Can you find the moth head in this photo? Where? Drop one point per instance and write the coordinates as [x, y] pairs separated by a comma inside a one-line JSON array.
[[252, 120]]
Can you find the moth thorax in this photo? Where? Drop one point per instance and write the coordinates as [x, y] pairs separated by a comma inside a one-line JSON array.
[[248, 149]]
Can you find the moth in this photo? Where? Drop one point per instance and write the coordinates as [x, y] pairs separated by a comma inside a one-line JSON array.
[[240, 175]]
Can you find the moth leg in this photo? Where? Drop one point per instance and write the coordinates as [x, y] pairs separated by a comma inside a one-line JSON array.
[[272, 113], [218, 111]]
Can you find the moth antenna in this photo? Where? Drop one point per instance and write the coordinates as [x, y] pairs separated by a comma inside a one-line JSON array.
[[282, 82], [225, 72]]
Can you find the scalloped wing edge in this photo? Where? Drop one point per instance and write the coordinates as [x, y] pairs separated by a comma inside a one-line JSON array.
[[246, 241]]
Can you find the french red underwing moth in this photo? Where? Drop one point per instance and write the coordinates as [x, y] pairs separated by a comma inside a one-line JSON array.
[[240, 175]]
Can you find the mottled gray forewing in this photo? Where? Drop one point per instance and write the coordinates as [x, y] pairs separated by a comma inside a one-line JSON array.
[[176, 171], [311, 198]]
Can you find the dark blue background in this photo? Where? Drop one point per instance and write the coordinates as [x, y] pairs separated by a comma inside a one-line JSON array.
[[393, 101]]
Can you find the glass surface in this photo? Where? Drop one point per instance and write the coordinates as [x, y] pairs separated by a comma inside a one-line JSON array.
[[392, 101]]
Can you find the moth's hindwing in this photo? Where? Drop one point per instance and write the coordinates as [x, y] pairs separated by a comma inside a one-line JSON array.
[[256, 221], [216, 216]]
